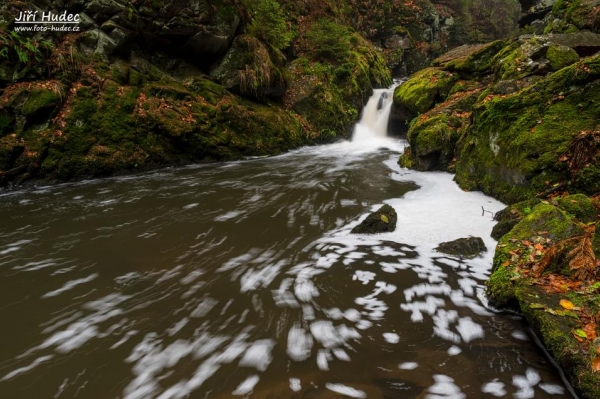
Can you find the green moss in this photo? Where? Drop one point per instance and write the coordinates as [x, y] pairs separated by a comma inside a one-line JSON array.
[[561, 56], [329, 93], [424, 89], [515, 61], [555, 333], [469, 61], [575, 15], [512, 148], [500, 288], [580, 206], [433, 139], [6, 122], [588, 179], [39, 99]]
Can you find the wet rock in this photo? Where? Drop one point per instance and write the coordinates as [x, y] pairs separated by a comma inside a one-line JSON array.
[[468, 247], [381, 221], [533, 10]]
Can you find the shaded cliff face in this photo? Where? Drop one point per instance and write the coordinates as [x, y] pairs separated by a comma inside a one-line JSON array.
[[147, 83]]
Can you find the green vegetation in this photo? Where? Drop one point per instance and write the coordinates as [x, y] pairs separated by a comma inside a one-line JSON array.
[[269, 23], [15, 47]]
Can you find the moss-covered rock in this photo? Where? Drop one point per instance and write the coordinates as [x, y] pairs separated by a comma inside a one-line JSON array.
[[432, 140], [580, 206], [557, 313], [572, 16], [433, 136], [381, 221], [515, 141], [511, 215], [545, 224], [468, 247], [561, 56], [422, 91], [470, 60]]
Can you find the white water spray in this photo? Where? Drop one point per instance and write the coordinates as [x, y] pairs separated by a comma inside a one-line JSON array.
[[375, 115]]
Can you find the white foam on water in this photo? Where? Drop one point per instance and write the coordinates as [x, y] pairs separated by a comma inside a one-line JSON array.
[[454, 350], [299, 344], [391, 338], [258, 355], [495, 388], [552, 389], [345, 390], [408, 366], [444, 387], [295, 385], [520, 335], [469, 330], [247, 386]]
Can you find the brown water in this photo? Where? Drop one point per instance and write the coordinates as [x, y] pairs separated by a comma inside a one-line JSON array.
[[242, 279]]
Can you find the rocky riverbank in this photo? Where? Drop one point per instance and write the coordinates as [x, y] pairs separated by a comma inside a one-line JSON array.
[[144, 84], [518, 119]]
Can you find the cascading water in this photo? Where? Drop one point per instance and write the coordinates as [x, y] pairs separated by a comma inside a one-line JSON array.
[[375, 115]]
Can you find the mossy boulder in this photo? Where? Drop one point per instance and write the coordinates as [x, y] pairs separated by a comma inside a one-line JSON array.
[[434, 135], [468, 247], [470, 59], [545, 224], [580, 206], [432, 140], [573, 15], [515, 141], [561, 56], [382, 220], [511, 215], [421, 92], [523, 57], [553, 302]]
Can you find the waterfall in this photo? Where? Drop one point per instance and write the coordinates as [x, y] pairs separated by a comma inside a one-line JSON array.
[[375, 115]]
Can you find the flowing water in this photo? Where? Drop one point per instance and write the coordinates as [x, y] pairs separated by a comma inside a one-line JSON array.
[[242, 279]]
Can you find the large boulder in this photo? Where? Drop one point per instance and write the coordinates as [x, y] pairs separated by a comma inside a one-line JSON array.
[[419, 93]]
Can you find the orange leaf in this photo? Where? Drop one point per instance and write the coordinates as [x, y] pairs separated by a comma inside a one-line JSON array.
[[566, 304], [596, 364], [506, 263], [590, 330], [539, 247], [526, 243]]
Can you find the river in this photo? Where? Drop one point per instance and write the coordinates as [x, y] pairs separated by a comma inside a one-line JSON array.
[[242, 279]]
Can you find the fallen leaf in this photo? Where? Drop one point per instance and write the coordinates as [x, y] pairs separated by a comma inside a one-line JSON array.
[[537, 306], [539, 247], [567, 304], [568, 313], [590, 330], [596, 364], [579, 333], [384, 219], [506, 263]]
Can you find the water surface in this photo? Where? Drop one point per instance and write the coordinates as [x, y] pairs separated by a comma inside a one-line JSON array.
[[242, 279]]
